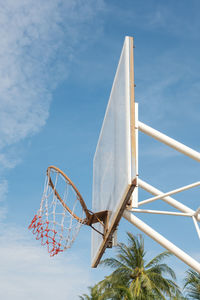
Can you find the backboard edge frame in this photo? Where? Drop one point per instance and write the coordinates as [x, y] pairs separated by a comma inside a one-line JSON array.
[[115, 222]]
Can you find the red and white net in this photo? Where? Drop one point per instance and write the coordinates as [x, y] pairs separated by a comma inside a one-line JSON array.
[[58, 221]]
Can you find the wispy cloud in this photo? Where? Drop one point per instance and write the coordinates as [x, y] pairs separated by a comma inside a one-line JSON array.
[[168, 85], [178, 19], [158, 151], [27, 272], [39, 42], [184, 24], [3, 195], [3, 189], [39, 39]]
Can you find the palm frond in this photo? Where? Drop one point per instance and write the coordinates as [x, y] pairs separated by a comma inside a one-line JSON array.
[[133, 277], [113, 263], [162, 269], [192, 284], [158, 258]]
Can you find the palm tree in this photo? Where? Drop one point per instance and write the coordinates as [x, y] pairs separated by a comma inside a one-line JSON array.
[[192, 284], [95, 294], [133, 278]]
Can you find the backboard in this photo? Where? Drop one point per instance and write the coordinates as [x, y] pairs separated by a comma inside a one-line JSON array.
[[115, 165]]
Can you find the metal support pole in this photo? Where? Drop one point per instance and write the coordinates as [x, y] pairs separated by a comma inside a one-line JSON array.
[[197, 212], [162, 240], [169, 141], [160, 212], [196, 226], [176, 191], [176, 204]]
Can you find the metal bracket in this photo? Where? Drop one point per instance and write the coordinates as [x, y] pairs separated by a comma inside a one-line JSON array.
[[101, 217]]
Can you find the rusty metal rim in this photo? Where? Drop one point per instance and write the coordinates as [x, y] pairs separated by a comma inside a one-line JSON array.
[[79, 197]]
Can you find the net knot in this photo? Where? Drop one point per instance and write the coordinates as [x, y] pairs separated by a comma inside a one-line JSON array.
[[47, 235]]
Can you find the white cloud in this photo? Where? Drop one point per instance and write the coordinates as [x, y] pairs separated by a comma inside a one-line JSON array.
[[39, 39], [3, 195], [27, 272], [3, 189], [171, 88], [177, 20], [158, 151], [8, 161]]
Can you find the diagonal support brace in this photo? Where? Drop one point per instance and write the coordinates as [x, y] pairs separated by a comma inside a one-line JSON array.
[[162, 241]]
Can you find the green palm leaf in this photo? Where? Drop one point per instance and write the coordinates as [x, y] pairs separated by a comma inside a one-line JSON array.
[[133, 278], [192, 284]]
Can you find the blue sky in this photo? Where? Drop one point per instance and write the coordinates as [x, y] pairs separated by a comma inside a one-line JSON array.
[[57, 63]]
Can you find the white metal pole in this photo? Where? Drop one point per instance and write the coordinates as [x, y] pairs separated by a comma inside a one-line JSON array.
[[162, 240], [196, 226], [168, 141], [176, 191], [160, 212], [197, 212], [134, 160], [176, 204]]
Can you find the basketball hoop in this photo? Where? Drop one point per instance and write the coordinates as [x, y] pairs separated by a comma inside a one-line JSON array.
[[62, 213]]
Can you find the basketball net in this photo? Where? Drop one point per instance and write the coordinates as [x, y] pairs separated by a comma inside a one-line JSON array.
[[61, 213]]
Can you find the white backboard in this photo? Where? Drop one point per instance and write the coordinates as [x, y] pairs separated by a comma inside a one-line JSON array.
[[115, 160]]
